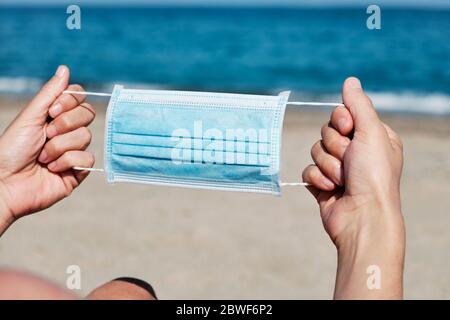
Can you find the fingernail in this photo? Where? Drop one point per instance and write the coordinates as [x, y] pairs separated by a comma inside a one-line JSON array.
[[338, 175], [51, 131], [60, 71], [328, 183], [43, 156], [52, 165], [55, 110], [342, 124], [354, 83]]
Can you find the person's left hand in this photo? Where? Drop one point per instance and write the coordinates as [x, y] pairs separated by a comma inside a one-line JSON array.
[[41, 146]]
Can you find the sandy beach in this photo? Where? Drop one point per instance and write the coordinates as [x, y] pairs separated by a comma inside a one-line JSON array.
[[196, 244]]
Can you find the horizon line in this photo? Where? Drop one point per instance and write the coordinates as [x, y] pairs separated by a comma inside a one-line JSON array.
[[225, 6]]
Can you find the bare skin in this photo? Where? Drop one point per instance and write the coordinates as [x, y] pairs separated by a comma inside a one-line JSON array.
[[356, 182], [37, 156], [37, 153], [25, 286], [120, 290]]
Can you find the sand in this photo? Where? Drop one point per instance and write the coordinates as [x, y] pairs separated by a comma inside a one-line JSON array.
[[196, 244]]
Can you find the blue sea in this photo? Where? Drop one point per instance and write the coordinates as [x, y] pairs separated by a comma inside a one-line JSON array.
[[405, 66]]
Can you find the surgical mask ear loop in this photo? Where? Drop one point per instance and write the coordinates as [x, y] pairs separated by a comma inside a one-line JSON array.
[[292, 103], [283, 184], [294, 184], [315, 104], [88, 169], [88, 93]]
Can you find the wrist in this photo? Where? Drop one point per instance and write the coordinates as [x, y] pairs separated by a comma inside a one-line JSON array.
[[6, 217], [374, 245], [371, 273], [376, 227]]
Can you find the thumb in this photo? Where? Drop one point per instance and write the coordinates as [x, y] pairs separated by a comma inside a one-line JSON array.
[[360, 106], [37, 109]]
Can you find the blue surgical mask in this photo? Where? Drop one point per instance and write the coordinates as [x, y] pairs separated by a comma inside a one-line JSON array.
[[204, 140]]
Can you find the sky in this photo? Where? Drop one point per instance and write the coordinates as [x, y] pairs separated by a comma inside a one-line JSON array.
[[326, 3]]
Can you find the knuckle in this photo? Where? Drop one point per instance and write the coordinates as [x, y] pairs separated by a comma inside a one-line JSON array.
[[66, 159], [65, 100], [77, 98], [62, 99], [341, 109], [345, 142], [314, 173], [330, 166], [87, 105], [65, 122], [315, 148], [332, 148], [324, 129], [334, 144], [91, 158], [67, 192], [329, 138], [86, 134], [306, 174], [336, 112], [90, 110], [52, 147], [76, 87]]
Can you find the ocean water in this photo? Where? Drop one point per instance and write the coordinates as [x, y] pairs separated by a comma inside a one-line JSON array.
[[405, 66]]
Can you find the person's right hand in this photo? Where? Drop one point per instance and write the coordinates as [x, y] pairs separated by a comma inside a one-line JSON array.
[[356, 181]]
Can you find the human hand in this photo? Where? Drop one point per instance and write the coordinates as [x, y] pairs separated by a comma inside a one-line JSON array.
[[41, 146], [356, 181]]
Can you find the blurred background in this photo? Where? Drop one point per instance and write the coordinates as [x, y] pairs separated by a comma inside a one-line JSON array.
[[210, 244]]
